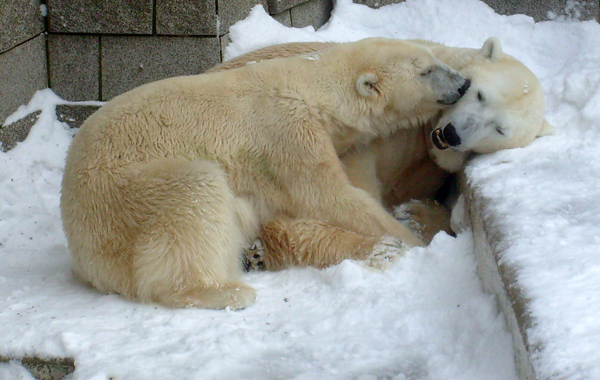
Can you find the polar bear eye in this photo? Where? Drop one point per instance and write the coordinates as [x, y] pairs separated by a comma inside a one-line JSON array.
[[427, 72], [500, 130], [480, 96]]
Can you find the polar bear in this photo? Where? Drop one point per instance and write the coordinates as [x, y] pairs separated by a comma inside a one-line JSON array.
[[165, 184], [503, 108]]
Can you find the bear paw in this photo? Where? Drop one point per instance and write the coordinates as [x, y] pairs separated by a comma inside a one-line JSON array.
[[385, 252], [254, 257], [410, 213], [424, 218]]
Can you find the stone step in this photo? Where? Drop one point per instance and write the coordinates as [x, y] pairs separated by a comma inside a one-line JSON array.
[[499, 279], [45, 369], [72, 114]]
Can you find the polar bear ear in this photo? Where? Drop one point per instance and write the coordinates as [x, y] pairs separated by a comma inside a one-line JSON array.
[[366, 85], [492, 49], [546, 130]]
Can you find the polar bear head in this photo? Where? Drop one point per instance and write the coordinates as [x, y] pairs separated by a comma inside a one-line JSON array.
[[401, 80], [503, 109]]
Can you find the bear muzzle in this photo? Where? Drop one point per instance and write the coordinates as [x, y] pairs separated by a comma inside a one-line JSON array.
[[451, 98], [445, 137], [437, 138]]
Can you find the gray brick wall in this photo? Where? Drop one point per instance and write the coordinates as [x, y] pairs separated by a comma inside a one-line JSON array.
[[74, 66], [22, 73], [20, 20], [130, 61], [100, 16], [278, 6], [315, 12], [99, 49], [22, 53], [186, 18]]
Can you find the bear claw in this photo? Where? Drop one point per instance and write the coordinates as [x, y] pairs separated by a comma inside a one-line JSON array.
[[254, 257], [387, 251]]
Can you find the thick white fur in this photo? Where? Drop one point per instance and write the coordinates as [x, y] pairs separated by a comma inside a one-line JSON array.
[[406, 165], [505, 107], [165, 184]]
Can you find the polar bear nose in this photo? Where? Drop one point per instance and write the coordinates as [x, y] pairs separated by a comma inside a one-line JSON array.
[[450, 135], [454, 96], [464, 88]]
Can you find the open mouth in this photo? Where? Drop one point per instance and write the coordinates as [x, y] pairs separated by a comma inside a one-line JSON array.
[[438, 139]]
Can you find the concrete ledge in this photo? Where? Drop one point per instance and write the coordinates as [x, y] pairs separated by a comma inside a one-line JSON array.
[[72, 114], [45, 369], [16, 132], [499, 278]]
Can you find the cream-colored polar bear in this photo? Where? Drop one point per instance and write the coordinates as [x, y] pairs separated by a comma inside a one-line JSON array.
[[165, 184], [503, 108]]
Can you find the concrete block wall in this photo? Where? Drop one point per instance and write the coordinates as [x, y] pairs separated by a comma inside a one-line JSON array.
[[99, 49], [22, 53]]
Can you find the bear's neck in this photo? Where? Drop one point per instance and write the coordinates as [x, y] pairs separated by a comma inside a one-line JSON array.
[[362, 129], [331, 103]]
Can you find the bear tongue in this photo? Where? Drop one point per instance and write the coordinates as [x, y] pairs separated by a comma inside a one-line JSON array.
[[437, 138]]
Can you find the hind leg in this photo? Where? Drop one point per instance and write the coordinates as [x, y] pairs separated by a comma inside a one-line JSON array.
[[186, 252]]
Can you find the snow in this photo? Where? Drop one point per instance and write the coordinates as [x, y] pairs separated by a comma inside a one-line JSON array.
[[13, 371], [425, 317]]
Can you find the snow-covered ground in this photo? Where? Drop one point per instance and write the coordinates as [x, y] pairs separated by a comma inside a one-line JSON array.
[[425, 318]]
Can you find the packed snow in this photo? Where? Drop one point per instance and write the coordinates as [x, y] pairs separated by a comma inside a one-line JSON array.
[[424, 318]]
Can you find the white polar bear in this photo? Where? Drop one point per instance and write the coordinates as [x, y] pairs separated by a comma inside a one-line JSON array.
[[165, 184], [503, 108]]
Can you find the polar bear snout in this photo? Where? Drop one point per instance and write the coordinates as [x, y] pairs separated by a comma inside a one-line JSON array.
[[458, 87], [464, 88], [448, 85], [445, 137], [450, 135], [437, 138]]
